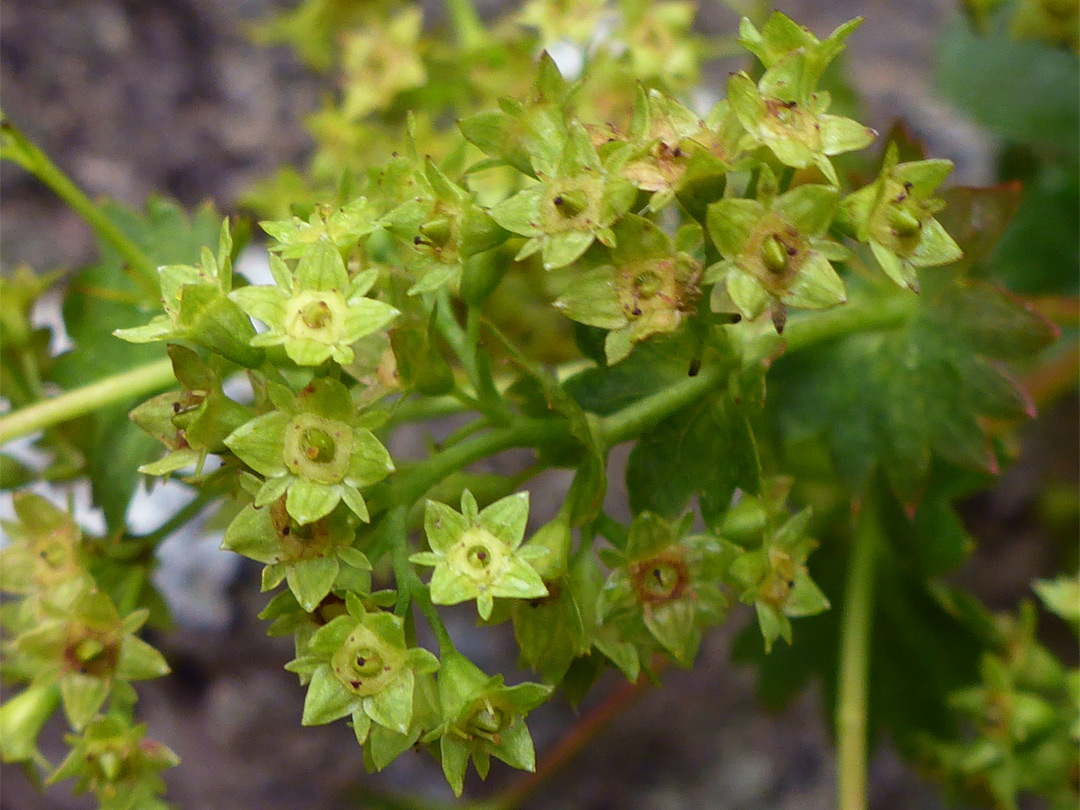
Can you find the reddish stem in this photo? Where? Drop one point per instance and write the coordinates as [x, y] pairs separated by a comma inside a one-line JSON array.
[[595, 721]]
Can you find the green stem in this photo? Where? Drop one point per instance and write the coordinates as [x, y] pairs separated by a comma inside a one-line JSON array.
[[409, 585], [27, 154], [867, 315], [466, 23], [855, 648], [425, 408], [80, 401], [634, 419], [410, 486], [464, 345]]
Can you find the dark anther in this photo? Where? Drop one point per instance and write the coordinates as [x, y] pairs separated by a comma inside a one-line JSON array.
[[791, 251], [176, 407], [558, 200], [416, 240], [287, 531]]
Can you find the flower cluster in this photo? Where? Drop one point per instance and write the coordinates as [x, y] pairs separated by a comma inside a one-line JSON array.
[[67, 640], [610, 201]]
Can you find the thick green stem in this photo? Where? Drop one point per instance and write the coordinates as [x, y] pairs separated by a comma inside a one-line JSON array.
[[29, 156], [866, 315], [855, 647], [410, 485], [139, 382], [634, 419]]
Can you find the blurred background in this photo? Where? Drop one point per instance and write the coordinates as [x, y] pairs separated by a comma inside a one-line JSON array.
[[135, 97]]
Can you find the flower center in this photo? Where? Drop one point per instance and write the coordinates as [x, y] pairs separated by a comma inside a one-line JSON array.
[[318, 446], [300, 542], [488, 721], [780, 580], [316, 314], [570, 203], [661, 579], [368, 662], [478, 556], [774, 255], [903, 222], [91, 654], [365, 663], [648, 283]]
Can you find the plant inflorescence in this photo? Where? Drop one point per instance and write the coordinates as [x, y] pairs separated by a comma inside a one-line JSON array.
[[800, 342]]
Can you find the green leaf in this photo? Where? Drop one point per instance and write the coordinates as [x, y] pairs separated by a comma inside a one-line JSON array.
[[650, 367], [392, 706], [22, 717], [707, 449], [100, 299], [506, 518], [455, 759], [1022, 91], [1061, 596], [259, 443], [139, 661], [890, 398]]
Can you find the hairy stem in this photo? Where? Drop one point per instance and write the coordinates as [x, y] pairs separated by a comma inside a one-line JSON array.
[[27, 154], [855, 646], [138, 382]]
